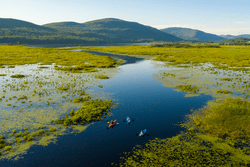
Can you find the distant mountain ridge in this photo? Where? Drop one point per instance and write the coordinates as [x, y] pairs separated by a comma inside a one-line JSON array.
[[236, 36], [192, 34], [116, 28], [13, 23], [108, 30]]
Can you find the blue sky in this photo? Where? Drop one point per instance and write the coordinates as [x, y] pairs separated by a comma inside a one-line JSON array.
[[212, 16]]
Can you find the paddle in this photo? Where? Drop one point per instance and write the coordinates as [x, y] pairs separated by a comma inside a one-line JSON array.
[[109, 122]]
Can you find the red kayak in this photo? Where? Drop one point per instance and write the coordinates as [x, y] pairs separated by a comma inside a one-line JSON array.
[[112, 124]]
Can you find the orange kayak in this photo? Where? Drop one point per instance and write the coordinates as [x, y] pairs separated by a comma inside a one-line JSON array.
[[112, 124]]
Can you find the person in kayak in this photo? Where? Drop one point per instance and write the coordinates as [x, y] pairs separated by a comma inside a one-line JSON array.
[[141, 132], [112, 121]]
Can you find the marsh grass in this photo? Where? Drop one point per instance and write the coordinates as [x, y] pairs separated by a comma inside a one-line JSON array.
[[185, 149], [180, 45], [119, 62], [20, 55], [223, 57], [92, 110], [227, 117]]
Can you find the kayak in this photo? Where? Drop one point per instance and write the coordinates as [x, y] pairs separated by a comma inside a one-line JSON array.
[[112, 124], [142, 133], [128, 119]]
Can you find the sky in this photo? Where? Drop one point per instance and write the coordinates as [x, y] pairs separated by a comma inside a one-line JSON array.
[[218, 17]]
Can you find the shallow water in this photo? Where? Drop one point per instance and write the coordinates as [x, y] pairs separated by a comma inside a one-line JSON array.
[[151, 105]]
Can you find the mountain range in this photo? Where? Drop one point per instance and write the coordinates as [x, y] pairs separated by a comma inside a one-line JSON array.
[[192, 34], [98, 31], [236, 36], [102, 31]]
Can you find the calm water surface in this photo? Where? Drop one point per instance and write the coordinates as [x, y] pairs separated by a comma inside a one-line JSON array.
[[144, 99]]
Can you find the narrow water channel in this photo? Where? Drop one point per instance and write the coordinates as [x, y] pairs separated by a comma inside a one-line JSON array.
[[151, 105]]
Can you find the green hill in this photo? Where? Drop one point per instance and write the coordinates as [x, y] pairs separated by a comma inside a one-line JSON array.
[[116, 30], [13, 23], [94, 32], [192, 34]]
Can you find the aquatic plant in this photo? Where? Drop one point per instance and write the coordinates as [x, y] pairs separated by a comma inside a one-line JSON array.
[[226, 79], [19, 134], [188, 88], [80, 99], [91, 111], [52, 129], [102, 77], [18, 140], [3, 75], [82, 93], [7, 148], [167, 74], [224, 92], [11, 67], [40, 132], [17, 76], [63, 88]]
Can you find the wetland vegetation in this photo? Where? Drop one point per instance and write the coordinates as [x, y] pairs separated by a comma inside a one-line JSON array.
[[40, 85], [216, 135], [221, 56]]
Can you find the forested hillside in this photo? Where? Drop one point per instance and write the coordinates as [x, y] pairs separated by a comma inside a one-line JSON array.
[[192, 34], [93, 32]]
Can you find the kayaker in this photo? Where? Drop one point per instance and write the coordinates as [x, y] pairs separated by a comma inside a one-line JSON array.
[[141, 132], [112, 121]]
